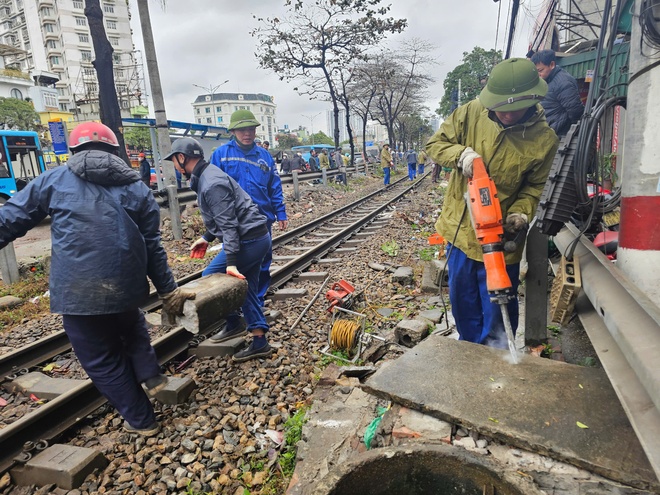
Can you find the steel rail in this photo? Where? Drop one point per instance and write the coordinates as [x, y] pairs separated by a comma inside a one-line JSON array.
[[57, 343], [53, 418]]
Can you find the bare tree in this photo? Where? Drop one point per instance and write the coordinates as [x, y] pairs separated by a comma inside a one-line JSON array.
[[108, 104], [322, 36]]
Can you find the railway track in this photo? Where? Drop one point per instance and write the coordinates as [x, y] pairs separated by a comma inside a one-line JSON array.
[[56, 416]]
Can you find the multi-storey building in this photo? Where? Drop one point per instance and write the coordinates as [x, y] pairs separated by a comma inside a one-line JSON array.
[[216, 109], [53, 36], [356, 125]]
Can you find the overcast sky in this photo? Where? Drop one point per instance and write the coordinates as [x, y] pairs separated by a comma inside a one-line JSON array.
[[206, 42]]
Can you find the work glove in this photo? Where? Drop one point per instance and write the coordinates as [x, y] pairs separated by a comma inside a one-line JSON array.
[[233, 271], [515, 222], [198, 249], [173, 301], [465, 161]]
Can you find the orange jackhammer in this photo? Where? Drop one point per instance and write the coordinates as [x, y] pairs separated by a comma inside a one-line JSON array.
[[486, 216]]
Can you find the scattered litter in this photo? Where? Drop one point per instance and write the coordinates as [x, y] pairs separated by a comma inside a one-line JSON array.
[[580, 385], [370, 431], [275, 436], [36, 399], [493, 420], [581, 425], [50, 367], [491, 378], [3, 402]]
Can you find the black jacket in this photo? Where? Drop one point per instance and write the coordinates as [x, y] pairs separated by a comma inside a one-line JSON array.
[[562, 104]]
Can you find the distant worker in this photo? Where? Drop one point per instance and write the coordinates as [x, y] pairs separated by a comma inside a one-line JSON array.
[[266, 145], [298, 163], [339, 165], [231, 217], [254, 170], [313, 161], [506, 127], [285, 166], [411, 159], [386, 163], [562, 104], [105, 233], [422, 158], [145, 170], [324, 162]]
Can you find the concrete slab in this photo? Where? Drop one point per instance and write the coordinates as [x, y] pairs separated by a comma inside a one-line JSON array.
[[345, 250], [177, 390], [211, 349], [41, 385], [7, 302], [289, 294], [63, 465], [217, 296], [535, 404], [330, 260], [353, 243], [283, 258], [312, 276]]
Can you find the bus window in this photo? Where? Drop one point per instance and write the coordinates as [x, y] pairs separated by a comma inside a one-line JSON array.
[[20, 161]]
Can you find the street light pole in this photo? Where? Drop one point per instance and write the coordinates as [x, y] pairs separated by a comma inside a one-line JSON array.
[[311, 123], [212, 89]]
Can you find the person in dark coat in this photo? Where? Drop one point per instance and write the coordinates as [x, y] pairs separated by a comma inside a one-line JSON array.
[[313, 162], [285, 167], [230, 216], [105, 230], [298, 163], [145, 170], [562, 105]]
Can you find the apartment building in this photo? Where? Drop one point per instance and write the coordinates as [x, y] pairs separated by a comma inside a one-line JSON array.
[[53, 37], [216, 109]]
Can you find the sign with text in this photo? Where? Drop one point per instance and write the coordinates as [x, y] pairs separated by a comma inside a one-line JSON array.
[[58, 137]]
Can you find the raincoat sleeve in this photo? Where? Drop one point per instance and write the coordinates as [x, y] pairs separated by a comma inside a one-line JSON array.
[[275, 192], [534, 182], [24, 211], [446, 145], [149, 224], [220, 199]]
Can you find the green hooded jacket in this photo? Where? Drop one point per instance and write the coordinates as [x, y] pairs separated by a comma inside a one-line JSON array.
[[385, 158], [518, 159]]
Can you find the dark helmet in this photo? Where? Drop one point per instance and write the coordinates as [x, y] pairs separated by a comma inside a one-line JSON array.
[[89, 133], [187, 146], [513, 85]]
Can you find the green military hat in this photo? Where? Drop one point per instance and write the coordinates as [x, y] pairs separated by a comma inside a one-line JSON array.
[[513, 85], [241, 119]]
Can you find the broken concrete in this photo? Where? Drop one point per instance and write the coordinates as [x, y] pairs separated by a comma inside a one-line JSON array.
[[411, 332], [403, 275], [217, 296], [535, 405], [213, 349], [41, 385], [177, 390], [289, 294], [8, 302]]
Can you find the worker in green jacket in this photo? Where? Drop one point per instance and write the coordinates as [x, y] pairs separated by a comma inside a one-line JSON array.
[[507, 128], [324, 161], [386, 162]]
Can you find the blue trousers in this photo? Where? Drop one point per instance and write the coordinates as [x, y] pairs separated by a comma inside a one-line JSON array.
[[115, 350], [249, 263], [420, 169], [412, 171], [264, 274], [477, 319], [386, 174]]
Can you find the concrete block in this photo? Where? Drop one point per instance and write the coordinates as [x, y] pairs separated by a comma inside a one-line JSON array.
[[273, 316], [289, 294], [345, 250], [212, 349], [428, 285], [63, 465], [430, 428], [7, 302], [177, 390], [312, 276], [411, 332], [42, 386], [434, 315], [153, 319], [353, 243], [437, 267], [283, 258], [329, 260], [403, 275], [217, 296], [363, 235]]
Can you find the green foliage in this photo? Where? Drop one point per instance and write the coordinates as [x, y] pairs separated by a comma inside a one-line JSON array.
[[18, 115], [320, 138], [473, 73], [292, 435], [288, 141], [427, 254], [588, 362], [138, 137], [391, 248]]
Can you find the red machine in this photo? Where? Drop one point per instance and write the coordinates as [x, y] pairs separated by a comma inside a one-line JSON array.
[[486, 216], [340, 294]]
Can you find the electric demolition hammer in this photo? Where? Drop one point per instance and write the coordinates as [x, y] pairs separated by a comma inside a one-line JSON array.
[[486, 215]]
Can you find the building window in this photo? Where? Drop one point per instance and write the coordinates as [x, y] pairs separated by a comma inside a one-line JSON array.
[[199, 121], [108, 8], [55, 60], [46, 11], [218, 109], [50, 100], [51, 44], [89, 72], [124, 104], [16, 93], [49, 28], [78, 4], [207, 109], [209, 120], [197, 111], [116, 57], [119, 73], [64, 107], [83, 38], [220, 119], [80, 21], [111, 24], [86, 55], [114, 41]]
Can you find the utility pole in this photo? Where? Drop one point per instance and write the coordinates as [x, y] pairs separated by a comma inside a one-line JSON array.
[[212, 89], [162, 129], [311, 123]]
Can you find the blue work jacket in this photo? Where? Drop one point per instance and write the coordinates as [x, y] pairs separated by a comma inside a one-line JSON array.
[[256, 173]]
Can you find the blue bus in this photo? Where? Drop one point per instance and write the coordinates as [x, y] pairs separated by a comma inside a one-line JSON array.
[[307, 148], [21, 160]]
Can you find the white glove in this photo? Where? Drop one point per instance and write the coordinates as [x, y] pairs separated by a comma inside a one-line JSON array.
[[199, 243], [515, 222], [233, 271], [465, 161]]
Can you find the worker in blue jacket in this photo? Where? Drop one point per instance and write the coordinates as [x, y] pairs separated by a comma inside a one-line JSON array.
[[232, 217], [105, 233], [255, 171]]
